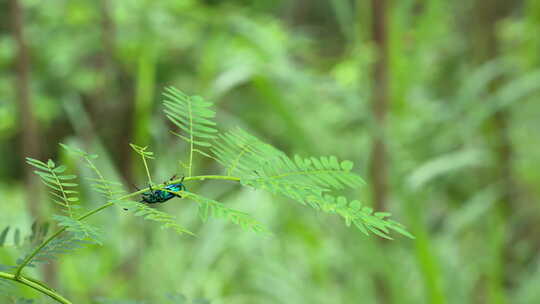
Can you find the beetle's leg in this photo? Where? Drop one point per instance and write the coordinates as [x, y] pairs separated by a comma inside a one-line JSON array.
[[182, 187], [170, 179]]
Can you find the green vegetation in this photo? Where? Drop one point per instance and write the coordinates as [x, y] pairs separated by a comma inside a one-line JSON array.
[[247, 160], [435, 102]]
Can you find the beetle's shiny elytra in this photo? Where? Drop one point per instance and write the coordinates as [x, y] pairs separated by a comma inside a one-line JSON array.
[[161, 196]]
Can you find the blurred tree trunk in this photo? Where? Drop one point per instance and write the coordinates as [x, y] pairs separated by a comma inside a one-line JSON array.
[[28, 125], [486, 15], [297, 12], [116, 100], [379, 104]]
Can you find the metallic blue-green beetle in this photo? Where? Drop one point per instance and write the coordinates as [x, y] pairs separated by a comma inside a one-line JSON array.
[[161, 196]]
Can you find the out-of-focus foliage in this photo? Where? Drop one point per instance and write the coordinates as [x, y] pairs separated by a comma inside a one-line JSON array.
[[298, 74]]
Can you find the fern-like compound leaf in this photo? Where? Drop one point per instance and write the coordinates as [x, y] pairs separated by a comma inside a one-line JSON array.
[[62, 245], [61, 185], [262, 166], [192, 114], [109, 189], [241, 153], [211, 208], [305, 180], [166, 220], [317, 174], [142, 151], [145, 154], [362, 217], [80, 229], [259, 163]]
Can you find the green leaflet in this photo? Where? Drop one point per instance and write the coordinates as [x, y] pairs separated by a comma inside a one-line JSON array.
[[259, 163], [192, 114], [62, 190], [194, 117], [362, 217], [323, 172], [80, 229], [62, 245], [262, 166], [211, 208], [109, 189], [145, 154], [242, 154], [166, 220]]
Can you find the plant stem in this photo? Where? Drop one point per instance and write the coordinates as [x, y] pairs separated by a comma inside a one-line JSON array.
[[32, 283], [203, 177], [18, 277], [191, 138], [146, 167]]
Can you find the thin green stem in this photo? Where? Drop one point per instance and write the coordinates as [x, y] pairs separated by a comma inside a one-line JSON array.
[[144, 154], [191, 138], [146, 168], [35, 251], [203, 177], [35, 284]]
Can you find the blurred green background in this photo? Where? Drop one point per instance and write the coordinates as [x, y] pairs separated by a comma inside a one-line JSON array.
[[436, 102]]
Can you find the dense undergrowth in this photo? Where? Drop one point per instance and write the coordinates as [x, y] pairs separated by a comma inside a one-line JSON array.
[[311, 181]]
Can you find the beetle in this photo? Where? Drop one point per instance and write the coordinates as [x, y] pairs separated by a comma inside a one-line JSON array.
[[161, 196]]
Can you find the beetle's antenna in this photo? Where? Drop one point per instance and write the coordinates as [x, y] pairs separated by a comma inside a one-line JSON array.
[[182, 186]]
